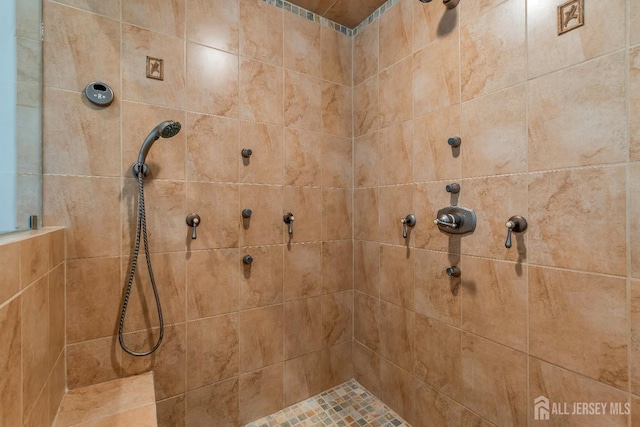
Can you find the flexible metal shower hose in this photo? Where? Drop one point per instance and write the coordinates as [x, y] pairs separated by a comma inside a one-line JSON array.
[[141, 226]]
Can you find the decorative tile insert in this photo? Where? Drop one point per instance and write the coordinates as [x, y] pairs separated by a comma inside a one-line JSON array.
[[155, 68], [570, 16], [346, 405], [283, 4]]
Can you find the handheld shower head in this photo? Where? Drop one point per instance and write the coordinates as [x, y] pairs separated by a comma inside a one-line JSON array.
[[166, 129]]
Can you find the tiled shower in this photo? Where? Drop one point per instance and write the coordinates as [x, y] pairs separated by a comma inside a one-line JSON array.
[[349, 133]]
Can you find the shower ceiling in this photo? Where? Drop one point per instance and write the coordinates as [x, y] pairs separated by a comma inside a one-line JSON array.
[[346, 12]]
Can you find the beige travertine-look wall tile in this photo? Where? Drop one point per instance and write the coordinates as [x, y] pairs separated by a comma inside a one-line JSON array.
[[634, 101], [142, 315], [302, 271], [337, 109], [396, 202], [302, 101], [168, 363], [494, 303], [366, 327], [337, 266], [634, 36], [366, 267], [435, 407], [560, 385], [579, 321], [220, 209], [108, 8], [92, 292], [396, 388], [591, 95], [204, 94], [634, 317], [11, 358], [166, 16], [365, 53], [337, 154], [212, 350], [261, 92], [266, 163], [394, 97], [549, 52], [265, 227], [496, 199], [302, 47], [438, 356], [397, 276], [337, 214], [34, 259], [494, 129], [214, 405], [436, 294], [137, 44], [317, 371], [261, 283], [304, 318], [588, 195], [82, 139], [337, 318], [492, 48], [397, 326], [336, 57], [216, 27], [366, 367], [92, 362], [365, 107], [212, 148], [164, 206], [634, 222], [436, 76], [261, 31], [494, 380], [261, 337], [432, 23], [81, 45], [171, 412], [433, 157], [83, 238], [212, 292], [166, 160], [396, 33], [261, 393], [366, 161], [395, 152], [302, 158], [306, 204], [473, 10]]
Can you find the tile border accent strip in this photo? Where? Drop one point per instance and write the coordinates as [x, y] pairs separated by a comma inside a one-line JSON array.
[[297, 10]]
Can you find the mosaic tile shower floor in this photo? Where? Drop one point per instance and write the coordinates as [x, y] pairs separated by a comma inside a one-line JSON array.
[[347, 405]]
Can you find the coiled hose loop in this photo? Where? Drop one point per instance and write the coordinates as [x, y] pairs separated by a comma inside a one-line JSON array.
[[141, 228]]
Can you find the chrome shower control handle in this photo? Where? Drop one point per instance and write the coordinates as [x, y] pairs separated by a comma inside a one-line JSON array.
[[193, 221], [448, 220], [288, 218], [247, 259], [516, 224], [409, 220]]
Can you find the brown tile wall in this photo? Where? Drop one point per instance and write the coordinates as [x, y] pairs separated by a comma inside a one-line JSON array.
[[240, 342], [32, 326], [550, 131]]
